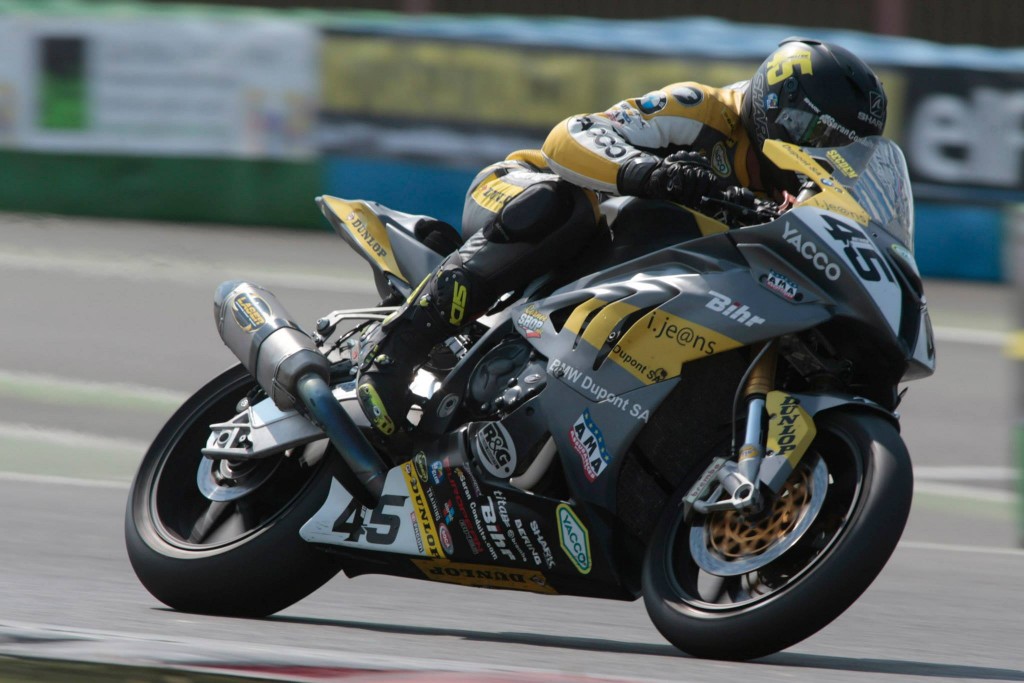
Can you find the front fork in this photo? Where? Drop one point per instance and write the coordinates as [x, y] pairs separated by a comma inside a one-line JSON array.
[[737, 480]]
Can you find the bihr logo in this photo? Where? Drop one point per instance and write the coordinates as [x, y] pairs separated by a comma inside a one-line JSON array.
[[733, 310]]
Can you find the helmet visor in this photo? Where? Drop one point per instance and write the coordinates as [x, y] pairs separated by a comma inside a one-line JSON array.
[[811, 130]]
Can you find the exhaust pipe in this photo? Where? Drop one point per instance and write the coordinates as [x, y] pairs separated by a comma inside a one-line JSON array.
[[255, 326]]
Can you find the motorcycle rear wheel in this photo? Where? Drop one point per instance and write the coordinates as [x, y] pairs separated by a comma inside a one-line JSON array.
[[239, 556], [787, 597]]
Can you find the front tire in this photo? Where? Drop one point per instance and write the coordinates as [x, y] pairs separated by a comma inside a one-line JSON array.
[[785, 597], [238, 556]]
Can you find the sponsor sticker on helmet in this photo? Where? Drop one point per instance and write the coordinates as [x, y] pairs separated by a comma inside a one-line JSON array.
[[876, 104], [781, 64], [574, 539]]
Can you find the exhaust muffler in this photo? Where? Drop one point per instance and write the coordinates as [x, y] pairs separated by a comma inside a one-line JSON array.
[[255, 326]]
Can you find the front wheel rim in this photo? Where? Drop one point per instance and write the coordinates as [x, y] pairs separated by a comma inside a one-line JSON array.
[[698, 589]]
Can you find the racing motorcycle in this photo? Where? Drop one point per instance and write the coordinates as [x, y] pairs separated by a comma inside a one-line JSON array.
[[709, 424]]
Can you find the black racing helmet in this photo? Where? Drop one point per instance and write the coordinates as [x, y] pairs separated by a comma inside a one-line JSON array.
[[813, 94]]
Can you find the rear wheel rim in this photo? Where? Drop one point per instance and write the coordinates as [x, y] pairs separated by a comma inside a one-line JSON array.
[[247, 497]]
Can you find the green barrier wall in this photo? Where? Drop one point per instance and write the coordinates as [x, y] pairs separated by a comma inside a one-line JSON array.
[[175, 189]]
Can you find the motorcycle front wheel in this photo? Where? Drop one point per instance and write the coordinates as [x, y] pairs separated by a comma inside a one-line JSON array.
[[222, 537], [736, 587]]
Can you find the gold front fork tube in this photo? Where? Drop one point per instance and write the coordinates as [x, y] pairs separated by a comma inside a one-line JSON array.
[[761, 381], [762, 377]]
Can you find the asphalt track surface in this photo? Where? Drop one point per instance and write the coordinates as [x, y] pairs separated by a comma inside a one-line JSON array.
[[108, 325]]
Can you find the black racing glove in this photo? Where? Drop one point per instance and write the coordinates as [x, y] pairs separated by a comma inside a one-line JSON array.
[[742, 205], [683, 177]]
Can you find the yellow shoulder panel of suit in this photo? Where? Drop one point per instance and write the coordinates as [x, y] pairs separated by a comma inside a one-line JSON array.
[[718, 108], [562, 150], [534, 157]]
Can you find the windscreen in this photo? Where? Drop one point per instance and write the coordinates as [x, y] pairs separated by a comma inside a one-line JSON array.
[[874, 171]]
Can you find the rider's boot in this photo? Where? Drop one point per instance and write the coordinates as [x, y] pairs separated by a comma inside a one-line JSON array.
[[390, 353], [534, 229]]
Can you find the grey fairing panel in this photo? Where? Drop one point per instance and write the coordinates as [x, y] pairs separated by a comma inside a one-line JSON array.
[[414, 258], [817, 404], [688, 296]]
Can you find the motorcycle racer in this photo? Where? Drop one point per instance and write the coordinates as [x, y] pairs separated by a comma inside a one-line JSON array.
[[538, 209]]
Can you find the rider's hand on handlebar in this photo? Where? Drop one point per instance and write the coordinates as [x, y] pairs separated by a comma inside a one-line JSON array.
[[684, 177], [742, 206]]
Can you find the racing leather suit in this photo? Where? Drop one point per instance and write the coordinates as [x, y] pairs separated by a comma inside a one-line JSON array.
[[537, 210], [606, 151]]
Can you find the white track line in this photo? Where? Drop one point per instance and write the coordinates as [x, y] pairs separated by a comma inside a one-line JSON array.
[[70, 439], [978, 493], [966, 335], [989, 473], [177, 271], [57, 384], [951, 548], [51, 480]]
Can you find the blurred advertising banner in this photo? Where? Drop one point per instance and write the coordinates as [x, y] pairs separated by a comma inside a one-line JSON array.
[[964, 133], [468, 103], [168, 86]]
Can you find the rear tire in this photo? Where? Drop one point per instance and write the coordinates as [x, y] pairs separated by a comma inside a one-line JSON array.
[[748, 615], [241, 557]]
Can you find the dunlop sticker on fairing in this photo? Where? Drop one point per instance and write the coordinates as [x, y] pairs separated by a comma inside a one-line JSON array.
[[367, 230], [484, 576], [427, 539], [790, 427]]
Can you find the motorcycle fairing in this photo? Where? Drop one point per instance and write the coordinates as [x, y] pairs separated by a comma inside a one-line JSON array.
[[593, 437], [726, 291], [401, 522], [832, 197], [361, 227], [446, 518], [484, 576], [388, 239], [639, 330]]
